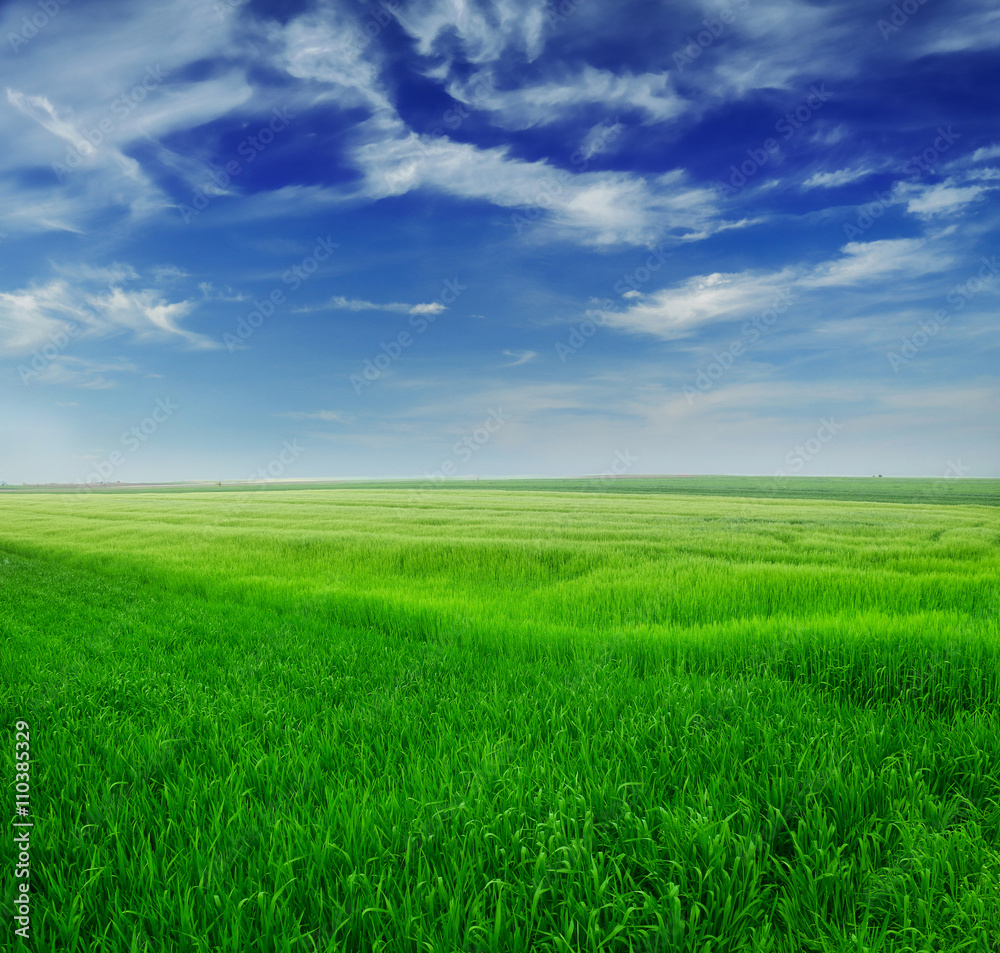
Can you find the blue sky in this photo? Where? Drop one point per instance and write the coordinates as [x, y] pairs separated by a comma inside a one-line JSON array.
[[445, 237]]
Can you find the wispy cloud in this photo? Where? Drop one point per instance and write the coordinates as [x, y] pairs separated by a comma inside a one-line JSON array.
[[680, 310], [986, 152], [831, 180], [593, 208], [327, 416], [326, 49], [483, 33], [519, 357], [341, 303], [863, 262], [651, 95], [35, 316], [89, 119], [944, 198], [703, 299], [69, 371]]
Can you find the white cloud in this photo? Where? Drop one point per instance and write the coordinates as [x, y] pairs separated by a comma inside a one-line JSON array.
[[966, 30], [147, 314], [60, 311], [340, 303], [33, 319], [520, 357], [651, 94], [780, 42], [209, 293], [985, 153], [830, 180], [943, 198], [85, 179], [88, 69], [166, 273], [186, 106], [983, 175], [601, 139], [702, 299], [328, 48], [68, 371], [595, 208], [328, 416], [865, 261], [708, 299], [483, 31], [332, 60]]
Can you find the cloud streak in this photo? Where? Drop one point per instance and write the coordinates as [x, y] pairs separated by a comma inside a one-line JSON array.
[[340, 303], [679, 311], [36, 316]]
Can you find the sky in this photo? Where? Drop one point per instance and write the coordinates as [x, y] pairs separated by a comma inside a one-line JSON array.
[[460, 238]]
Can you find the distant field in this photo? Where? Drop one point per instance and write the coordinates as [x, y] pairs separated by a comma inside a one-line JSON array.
[[866, 489], [687, 714]]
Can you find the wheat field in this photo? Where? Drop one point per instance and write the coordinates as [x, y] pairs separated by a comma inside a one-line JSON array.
[[508, 718]]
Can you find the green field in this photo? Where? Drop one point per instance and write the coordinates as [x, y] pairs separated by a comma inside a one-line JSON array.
[[600, 716]]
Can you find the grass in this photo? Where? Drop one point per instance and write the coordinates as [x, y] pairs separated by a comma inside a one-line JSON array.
[[485, 719], [944, 490]]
